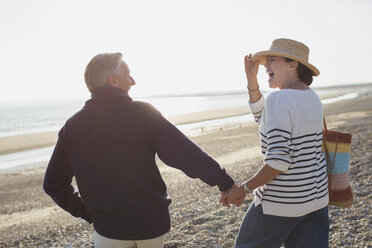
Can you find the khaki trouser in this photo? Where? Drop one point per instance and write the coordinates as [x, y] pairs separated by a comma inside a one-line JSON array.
[[103, 242]]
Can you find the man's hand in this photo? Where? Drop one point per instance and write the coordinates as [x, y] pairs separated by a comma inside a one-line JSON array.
[[236, 196], [225, 197]]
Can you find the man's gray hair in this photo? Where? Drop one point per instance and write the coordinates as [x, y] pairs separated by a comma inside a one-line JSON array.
[[100, 68]]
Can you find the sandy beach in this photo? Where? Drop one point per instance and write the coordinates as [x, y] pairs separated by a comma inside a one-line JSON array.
[[24, 142], [28, 218]]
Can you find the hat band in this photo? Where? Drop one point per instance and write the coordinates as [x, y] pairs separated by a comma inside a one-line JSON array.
[[297, 54]]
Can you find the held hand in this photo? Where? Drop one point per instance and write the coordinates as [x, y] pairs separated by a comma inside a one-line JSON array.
[[240, 201], [236, 196], [224, 195], [229, 197]]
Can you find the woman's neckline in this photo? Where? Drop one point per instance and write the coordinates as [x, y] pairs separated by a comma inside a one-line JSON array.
[[308, 88]]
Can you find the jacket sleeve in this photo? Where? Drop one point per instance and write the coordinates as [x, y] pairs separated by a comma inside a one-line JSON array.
[[58, 182], [178, 151]]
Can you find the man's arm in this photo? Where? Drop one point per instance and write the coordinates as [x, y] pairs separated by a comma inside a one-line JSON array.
[[178, 151], [58, 183]]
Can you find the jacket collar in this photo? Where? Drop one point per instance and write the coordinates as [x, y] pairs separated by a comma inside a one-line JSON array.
[[108, 92]]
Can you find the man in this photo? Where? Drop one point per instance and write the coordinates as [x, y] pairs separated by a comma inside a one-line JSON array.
[[110, 146]]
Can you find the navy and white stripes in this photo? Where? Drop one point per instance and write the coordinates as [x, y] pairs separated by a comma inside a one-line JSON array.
[[293, 147]]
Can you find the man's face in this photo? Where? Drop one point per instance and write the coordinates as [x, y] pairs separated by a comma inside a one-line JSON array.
[[125, 81]]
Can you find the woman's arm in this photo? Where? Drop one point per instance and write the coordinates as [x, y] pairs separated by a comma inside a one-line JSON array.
[[263, 176], [256, 101]]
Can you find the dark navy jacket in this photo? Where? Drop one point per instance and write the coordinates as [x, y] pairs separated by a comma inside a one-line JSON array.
[[110, 146]]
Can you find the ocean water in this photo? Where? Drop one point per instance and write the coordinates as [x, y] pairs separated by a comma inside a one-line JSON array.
[[34, 117]]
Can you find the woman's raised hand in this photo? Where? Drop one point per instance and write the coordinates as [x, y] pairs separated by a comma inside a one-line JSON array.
[[251, 70], [251, 67]]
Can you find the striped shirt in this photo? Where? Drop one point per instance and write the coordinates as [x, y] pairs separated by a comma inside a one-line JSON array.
[[290, 125]]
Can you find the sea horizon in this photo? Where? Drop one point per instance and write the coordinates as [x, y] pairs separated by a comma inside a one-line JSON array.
[[176, 94]]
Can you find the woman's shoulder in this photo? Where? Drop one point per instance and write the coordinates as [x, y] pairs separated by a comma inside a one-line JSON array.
[[291, 95], [277, 96], [290, 100]]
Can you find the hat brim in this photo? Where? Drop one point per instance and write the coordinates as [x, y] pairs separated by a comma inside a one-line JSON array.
[[261, 57]]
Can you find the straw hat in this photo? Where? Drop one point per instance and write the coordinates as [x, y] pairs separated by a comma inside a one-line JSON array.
[[289, 49]]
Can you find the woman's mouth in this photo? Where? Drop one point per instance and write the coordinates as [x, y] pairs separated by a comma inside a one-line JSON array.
[[271, 74]]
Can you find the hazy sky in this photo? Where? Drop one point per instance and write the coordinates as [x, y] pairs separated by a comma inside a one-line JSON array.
[[174, 46]]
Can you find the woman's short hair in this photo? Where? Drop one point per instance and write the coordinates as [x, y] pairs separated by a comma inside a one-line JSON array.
[[303, 72], [100, 68]]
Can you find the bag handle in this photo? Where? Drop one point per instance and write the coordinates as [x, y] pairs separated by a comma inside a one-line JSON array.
[[330, 165], [324, 124]]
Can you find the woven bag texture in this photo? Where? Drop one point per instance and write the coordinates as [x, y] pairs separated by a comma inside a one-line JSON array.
[[336, 148], [340, 181], [342, 161]]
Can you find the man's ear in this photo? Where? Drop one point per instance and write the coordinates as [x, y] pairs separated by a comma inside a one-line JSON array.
[[112, 81]]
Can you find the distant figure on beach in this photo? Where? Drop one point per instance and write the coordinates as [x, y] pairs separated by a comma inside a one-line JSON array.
[[109, 147], [291, 188]]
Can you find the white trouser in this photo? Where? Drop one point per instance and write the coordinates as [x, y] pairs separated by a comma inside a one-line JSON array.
[[103, 242]]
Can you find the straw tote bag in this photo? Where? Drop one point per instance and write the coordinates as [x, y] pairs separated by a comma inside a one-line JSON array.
[[336, 148]]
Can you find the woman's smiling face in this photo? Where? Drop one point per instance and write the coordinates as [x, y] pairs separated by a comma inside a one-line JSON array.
[[278, 70]]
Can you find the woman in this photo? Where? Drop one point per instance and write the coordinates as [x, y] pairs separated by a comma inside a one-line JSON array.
[[291, 188]]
